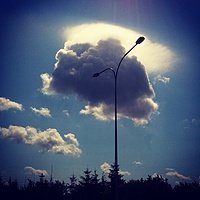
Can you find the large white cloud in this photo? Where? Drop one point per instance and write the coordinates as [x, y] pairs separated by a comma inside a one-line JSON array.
[[91, 48], [49, 140]]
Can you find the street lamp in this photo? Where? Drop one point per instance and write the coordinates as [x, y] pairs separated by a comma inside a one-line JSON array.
[[115, 73]]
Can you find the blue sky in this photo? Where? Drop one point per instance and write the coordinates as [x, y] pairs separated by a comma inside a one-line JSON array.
[[51, 111]]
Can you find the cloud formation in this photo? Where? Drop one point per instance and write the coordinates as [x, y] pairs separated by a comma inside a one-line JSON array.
[[72, 75], [6, 104], [49, 140], [42, 111], [31, 170]]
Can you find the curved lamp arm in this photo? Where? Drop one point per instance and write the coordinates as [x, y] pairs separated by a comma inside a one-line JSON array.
[[98, 73], [138, 41]]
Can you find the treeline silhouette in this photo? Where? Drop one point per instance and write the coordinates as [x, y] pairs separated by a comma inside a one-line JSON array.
[[91, 187]]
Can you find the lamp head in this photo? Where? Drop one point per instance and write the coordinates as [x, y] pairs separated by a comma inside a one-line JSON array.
[[140, 40], [96, 75]]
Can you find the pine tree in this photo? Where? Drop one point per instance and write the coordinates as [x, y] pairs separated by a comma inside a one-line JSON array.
[[111, 176], [95, 179], [116, 185], [72, 186], [86, 179]]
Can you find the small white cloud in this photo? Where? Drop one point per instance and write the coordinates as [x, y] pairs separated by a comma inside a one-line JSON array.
[[6, 104], [49, 140], [124, 173], [162, 79], [66, 112], [42, 111], [138, 163], [31, 170], [105, 167]]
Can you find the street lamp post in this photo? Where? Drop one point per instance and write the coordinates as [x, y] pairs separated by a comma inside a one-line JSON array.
[[115, 73]]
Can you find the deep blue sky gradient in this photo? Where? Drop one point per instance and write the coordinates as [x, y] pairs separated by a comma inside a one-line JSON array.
[[31, 34]]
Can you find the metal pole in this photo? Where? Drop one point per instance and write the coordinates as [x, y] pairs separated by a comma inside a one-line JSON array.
[[139, 41], [116, 139], [116, 143]]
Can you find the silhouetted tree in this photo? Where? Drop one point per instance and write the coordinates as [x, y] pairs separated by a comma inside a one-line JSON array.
[[85, 183], [105, 187], [187, 191], [9, 189], [57, 190], [111, 176], [90, 187], [72, 186], [120, 180], [86, 179]]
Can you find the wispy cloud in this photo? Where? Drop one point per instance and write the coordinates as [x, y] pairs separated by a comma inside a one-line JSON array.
[[49, 140], [138, 163], [190, 123], [66, 112], [170, 169], [177, 176], [31, 170], [76, 64], [6, 104], [195, 121], [42, 111], [161, 78]]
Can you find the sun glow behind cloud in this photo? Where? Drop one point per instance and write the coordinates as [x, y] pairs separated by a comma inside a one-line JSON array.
[[93, 47], [156, 57], [72, 75]]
